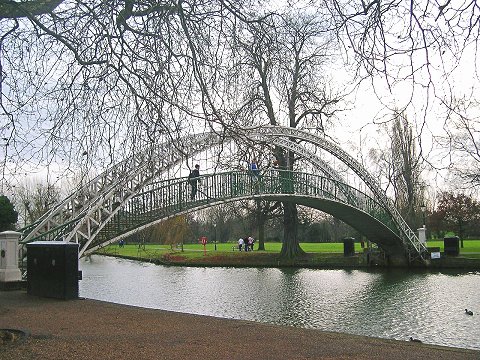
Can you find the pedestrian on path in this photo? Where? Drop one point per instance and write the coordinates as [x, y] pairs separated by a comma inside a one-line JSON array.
[[240, 244]]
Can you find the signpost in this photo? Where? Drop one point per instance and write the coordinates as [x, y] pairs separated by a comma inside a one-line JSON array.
[[203, 239]]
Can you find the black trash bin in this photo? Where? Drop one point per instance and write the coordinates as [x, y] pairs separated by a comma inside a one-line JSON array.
[[52, 269], [451, 246], [348, 246]]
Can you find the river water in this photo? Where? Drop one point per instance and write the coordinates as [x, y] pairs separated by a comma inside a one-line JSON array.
[[393, 304]]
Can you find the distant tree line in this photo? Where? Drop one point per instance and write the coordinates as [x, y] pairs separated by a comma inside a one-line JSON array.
[[457, 213], [223, 224]]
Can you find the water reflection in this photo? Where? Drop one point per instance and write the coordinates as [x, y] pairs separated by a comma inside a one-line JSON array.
[[390, 304]]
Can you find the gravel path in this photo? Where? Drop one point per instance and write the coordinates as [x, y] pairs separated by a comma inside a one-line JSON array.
[[89, 329]]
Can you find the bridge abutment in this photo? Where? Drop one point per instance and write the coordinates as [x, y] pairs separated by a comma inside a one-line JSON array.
[[10, 275], [397, 260], [381, 259]]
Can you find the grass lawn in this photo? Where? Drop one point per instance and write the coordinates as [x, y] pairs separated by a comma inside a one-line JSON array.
[[193, 254], [471, 248], [152, 251], [135, 250], [468, 245]]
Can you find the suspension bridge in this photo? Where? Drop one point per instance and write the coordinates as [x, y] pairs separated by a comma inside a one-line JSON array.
[[135, 194]]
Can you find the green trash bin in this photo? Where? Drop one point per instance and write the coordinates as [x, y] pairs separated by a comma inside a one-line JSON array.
[[451, 246], [52, 269], [348, 246]]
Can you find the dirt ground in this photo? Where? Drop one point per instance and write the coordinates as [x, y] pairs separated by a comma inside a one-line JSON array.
[[89, 329]]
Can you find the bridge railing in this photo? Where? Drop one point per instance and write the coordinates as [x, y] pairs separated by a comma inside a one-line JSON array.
[[169, 197], [173, 196], [409, 237]]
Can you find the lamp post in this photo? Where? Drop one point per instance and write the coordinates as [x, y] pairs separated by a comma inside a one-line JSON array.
[[215, 235], [424, 208]]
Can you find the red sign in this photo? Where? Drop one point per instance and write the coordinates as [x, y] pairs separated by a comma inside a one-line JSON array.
[[203, 239]]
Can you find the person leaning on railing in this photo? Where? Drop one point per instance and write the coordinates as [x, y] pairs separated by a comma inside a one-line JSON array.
[[193, 179]]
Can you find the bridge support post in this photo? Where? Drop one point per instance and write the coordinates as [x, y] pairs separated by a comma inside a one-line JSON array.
[[9, 272], [422, 235]]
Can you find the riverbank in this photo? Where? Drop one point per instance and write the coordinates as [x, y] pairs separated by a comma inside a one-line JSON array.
[[309, 260], [79, 329], [252, 259]]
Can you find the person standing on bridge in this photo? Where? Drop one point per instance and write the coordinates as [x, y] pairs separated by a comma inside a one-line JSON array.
[[193, 179], [253, 167]]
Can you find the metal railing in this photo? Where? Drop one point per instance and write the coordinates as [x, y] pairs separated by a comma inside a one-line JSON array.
[[169, 197]]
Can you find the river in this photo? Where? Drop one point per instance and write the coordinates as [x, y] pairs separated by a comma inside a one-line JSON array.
[[393, 304]]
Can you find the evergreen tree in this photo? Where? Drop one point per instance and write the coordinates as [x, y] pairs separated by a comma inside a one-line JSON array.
[[8, 215]]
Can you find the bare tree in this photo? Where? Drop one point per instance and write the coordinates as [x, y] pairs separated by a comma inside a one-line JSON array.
[[425, 51], [407, 181], [35, 199], [218, 220], [90, 82], [399, 165], [405, 40], [283, 61], [462, 141]]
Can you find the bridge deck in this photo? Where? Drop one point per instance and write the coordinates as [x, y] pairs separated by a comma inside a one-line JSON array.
[[159, 200]]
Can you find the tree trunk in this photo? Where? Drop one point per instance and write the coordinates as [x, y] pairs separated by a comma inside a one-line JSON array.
[[261, 235], [290, 245], [260, 225]]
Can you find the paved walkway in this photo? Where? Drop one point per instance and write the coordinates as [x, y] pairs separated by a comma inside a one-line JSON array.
[[89, 329]]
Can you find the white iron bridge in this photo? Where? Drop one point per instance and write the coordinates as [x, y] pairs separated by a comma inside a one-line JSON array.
[[133, 194]]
